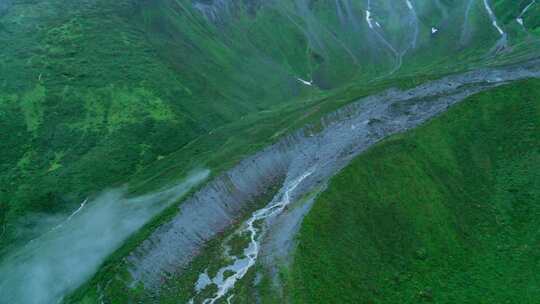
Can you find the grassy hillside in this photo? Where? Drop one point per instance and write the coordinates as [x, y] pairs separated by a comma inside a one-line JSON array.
[[98, 93], [91, 95], [447, 213]]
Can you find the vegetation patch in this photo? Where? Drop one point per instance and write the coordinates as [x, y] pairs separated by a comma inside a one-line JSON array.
[[446, 213]]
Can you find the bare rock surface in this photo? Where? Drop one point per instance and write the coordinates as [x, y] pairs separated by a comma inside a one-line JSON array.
[[346, 133]]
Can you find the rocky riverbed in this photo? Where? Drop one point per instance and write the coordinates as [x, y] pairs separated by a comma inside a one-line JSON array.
[[345, 133]]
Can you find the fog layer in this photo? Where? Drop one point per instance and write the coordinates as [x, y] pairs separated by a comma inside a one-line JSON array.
[[49, 267]]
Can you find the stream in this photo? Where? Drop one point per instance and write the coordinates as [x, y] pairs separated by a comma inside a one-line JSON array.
[[241, 264], [74, 213], [397, 55], [493, 17], [414, 23], [502, 43], [216, 207], [519, 19]]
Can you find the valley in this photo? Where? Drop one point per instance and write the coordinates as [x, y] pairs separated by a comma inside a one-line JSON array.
[[188, 151]]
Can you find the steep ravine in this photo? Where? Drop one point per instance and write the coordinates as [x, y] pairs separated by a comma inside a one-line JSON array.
[[345, 133]]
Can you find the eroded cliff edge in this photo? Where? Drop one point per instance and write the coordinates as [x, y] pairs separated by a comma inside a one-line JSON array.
[[344, 134]]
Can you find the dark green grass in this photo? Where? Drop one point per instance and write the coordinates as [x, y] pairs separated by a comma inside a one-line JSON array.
[[94, 94], [447, 213]]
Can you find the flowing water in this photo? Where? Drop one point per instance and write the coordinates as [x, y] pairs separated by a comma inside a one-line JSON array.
[[493, 17], [519, 19], [414, 23], [397, 55], [241, 264], [502, 43], [74, 213]]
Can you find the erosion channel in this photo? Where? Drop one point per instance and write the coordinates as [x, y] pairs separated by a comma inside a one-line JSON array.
[[302, 163]]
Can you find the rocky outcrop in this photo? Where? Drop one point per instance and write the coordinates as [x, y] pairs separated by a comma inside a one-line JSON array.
[[346, 133]]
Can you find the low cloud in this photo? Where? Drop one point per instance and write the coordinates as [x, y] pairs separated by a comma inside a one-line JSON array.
[[53, 265]]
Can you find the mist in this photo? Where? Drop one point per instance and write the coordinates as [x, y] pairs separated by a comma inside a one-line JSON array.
[[53, 265]]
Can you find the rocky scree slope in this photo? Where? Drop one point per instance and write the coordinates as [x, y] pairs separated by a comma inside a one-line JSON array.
[[98, 93], [345, 133]]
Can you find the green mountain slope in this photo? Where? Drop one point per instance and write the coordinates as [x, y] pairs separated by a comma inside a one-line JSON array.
[[95, 92], [446, 213]]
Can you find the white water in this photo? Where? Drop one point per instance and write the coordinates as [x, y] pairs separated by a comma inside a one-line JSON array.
[[240, 265], [368, 13], [409, 4], [308, 83], [493, 18], [203, 281], [369, 19], [415, 24], [397, 55], [527, 8], [519, 19], [62, 223], [77, 211], [502, 43]]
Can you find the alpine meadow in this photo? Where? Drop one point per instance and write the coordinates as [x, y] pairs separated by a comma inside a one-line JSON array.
[[269, 151]]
